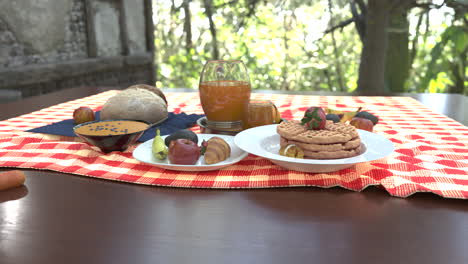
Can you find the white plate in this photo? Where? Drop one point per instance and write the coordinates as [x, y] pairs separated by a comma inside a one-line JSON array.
[[143, 154], [263, 141]]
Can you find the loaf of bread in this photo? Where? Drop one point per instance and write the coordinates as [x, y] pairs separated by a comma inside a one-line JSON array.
[[138, 102], [149, 88]]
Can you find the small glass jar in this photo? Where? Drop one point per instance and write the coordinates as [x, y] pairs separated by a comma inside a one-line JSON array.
[[224, 91], [260, 113]]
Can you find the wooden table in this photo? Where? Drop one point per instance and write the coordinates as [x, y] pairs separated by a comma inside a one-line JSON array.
[[58, 218]]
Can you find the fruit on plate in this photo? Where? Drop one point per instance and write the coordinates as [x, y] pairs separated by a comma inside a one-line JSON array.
[[344, 115], [292, 151], [314, 118], [362, 123], [333, 117], [276, 115], [183, 133], [217, 150], [158, 148], [347, 116], [203, 146], [339, 113], [183, 151], [83, 114], [367, 115]]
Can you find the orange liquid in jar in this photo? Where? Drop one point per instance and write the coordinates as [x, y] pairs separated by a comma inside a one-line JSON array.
[[224, 100], [259, 113]]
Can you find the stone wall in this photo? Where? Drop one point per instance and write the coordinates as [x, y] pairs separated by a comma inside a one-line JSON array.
[[50, 45], [27, 39]]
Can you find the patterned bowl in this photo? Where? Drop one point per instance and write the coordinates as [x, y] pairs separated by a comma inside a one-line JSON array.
[[111, 135]]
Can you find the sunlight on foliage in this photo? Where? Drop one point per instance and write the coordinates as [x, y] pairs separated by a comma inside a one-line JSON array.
[[284, 46], [437, 85]]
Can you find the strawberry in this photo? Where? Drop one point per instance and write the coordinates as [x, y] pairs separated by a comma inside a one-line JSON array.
[[314, 118]]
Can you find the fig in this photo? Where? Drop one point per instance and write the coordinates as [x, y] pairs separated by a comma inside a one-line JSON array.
[[183, 151], [333, 117], [369, 116], [83, 114], [339, 113], [362, 123], [314, 118], [183, 133]]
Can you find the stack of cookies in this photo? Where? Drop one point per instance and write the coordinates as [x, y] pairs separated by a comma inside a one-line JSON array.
[[335, 141]]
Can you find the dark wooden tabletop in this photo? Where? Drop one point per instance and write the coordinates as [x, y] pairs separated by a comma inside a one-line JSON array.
[[60, 218]]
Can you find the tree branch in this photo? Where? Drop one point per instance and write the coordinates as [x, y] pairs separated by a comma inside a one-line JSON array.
[[175, 9], [414, 45], [362, 6], [340, 25], [187, 25], [428, 5], [213, 31], [308, 53], [335, 50], [251, 6], [225, 4], [359, 18]]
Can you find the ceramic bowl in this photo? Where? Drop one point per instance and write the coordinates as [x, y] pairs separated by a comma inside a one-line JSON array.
[[111, 135]]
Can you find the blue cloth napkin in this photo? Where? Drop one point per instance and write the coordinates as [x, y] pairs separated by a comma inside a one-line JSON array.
[[173, 123]]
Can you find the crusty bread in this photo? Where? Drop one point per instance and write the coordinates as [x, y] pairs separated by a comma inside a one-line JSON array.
[[135, 104], [153, 89]]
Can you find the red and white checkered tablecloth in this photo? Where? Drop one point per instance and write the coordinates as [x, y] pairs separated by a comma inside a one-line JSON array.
[[431, 150]]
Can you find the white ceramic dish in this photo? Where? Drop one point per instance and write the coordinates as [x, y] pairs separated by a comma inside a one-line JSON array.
[[143, 154], [263, 141]]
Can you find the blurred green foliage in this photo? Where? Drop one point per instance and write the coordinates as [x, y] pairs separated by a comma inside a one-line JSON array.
[[284, 46]]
